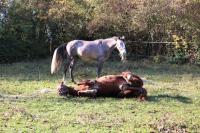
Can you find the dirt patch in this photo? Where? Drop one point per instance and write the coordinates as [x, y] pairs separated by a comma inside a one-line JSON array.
[[27, 96]]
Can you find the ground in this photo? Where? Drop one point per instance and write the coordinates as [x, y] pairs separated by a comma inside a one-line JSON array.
[[173, 100]]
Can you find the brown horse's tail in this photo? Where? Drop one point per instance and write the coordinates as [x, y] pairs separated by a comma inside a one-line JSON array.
[[59, 55]]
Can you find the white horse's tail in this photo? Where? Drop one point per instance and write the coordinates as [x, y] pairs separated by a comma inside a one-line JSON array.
[[59, 55]]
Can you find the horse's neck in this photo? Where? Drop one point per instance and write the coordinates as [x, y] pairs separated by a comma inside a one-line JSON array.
[[108, 47], [72, 91], [110, 43]]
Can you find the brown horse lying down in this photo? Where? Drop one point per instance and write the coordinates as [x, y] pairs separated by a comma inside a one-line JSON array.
[[124, 85]]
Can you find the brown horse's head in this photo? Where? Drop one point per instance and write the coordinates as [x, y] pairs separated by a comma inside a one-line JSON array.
[[62, 89], [132, 79]]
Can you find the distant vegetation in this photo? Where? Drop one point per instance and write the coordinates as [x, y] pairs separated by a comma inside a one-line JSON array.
[[34, 28]]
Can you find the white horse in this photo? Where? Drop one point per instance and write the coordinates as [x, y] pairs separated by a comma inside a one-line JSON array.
[[97, 50]]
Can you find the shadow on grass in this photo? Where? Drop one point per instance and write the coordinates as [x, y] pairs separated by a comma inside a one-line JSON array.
[[52, 99], [82, 100], [152, 98], [179, 98]]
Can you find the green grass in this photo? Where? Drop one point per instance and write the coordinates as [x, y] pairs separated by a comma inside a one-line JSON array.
[[173, 100]]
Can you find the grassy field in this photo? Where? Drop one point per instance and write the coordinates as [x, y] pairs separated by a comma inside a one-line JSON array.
[[173, 104]]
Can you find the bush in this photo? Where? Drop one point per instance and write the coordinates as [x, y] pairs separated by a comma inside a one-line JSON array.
[[12, 50]]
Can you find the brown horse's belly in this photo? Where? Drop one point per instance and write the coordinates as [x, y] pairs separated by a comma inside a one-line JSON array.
[[109, 85], [108, 90]]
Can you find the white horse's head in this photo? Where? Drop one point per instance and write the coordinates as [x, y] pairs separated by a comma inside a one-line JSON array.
[[120, 45]]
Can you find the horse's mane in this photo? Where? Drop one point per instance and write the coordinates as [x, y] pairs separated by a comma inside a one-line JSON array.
[[115, 37]]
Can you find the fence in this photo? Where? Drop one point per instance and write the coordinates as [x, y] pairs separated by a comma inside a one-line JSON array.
[[144, 49]]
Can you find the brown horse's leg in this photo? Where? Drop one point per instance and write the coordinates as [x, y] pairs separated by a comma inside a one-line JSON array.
[[124, 93], [90, 93], [139, 93], [124, 87]]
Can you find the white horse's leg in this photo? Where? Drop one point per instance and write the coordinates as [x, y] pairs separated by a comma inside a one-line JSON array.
[[66, 66], [99, 67], [71, 68]]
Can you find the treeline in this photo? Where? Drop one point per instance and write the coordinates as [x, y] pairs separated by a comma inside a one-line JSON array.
[[34, 28]]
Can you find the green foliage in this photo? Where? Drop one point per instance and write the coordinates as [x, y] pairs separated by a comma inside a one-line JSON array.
[[184, 51], [158, 59], [48, 23], [12, 50], [18, 36]]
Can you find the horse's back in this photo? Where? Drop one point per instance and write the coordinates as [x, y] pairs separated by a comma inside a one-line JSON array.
[[87, 50], [85, 43], [111, 78]]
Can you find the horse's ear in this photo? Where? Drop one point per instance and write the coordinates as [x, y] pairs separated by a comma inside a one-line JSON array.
[[62, 82], [122, 38]]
